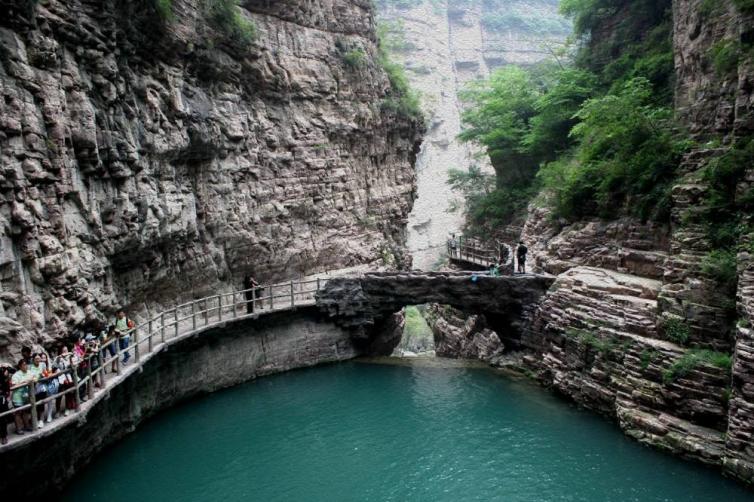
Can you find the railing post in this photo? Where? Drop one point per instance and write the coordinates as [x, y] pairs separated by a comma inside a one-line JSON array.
[[137, 352], [318, 286], [272, 297], [219, 307], [149, 336], [162, 327], [117, 354], [175, 322], [233, 303], [90, 383], [193, 315], [293, 297], [75, 375], [33, 403]]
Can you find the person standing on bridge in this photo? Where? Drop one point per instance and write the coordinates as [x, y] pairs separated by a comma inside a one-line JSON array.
[[452, 245], [122, 327], [250, 286], [521, 251]]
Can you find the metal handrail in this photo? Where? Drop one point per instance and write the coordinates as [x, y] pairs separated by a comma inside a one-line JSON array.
[[157, 327]]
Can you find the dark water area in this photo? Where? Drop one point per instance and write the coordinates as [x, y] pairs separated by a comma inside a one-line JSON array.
[[358, 431]]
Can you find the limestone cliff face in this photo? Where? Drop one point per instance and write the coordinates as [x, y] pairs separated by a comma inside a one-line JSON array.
[[443, 45], [146, 160], [632, 297]]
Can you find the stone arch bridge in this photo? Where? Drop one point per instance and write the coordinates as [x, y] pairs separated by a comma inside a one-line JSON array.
[[367, 303]]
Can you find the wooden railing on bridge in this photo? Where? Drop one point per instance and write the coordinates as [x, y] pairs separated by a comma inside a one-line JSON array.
[[151, 336]]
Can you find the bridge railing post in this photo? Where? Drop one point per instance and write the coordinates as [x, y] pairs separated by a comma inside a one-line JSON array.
[[193, 315], [33, 403], [162, 327], [117, 353], [175, 322], [272, 297], [219, 308], [137, 351], [293, 297], [75, 376], [90, 382], [149, 336]]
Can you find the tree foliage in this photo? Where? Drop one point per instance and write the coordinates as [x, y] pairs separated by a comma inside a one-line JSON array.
[[625, 159], [597, 132]]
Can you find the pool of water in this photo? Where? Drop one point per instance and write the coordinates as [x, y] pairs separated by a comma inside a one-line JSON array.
[[358, 431]]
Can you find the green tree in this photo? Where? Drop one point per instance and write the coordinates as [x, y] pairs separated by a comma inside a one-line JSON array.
[[626, 157]]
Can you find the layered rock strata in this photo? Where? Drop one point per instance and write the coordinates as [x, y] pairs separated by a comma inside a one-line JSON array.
[[458, 335], [150, 159], [628, 328]]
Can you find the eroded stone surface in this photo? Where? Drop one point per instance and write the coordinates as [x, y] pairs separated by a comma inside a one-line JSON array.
[[146, 162], [464, 336], [360, 301]]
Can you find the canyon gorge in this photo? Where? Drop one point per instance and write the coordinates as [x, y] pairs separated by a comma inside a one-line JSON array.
[[155, 152]]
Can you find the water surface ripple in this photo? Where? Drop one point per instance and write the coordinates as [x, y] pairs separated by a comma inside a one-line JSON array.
[[359, 431]]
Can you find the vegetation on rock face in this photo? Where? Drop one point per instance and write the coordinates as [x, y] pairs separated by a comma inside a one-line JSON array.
[[164, 9], [402, 100], [676, 330], [224, 15], [355, 58], [596, 134], [692, 360]]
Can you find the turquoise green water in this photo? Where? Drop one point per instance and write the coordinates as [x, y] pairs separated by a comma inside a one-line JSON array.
[[380, 432]]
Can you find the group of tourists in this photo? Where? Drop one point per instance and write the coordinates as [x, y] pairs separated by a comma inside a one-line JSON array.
[[502, 256], [52, 371]]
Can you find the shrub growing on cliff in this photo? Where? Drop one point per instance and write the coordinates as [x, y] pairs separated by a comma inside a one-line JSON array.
[[725, 56], [676, 330], [164, 9], [720, 264], [693, 359], [355, 58], [226, 17], [648, 356], [402, 100], [625, 160]]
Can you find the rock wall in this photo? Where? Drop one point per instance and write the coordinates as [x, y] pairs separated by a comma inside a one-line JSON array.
[[459, 335], [443, 45], [147, 159], [215, 359], [625, 328]]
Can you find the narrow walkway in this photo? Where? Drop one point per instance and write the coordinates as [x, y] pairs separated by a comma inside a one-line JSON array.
[[469, 251], [152, 337]]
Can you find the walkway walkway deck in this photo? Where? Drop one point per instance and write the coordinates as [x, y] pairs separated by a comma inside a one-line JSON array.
[[467, 251], [155, 335]]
